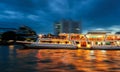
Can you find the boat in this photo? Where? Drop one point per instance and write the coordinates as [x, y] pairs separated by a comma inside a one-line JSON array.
[[107, 47], [50, 46], [39, 45], [77, 41]]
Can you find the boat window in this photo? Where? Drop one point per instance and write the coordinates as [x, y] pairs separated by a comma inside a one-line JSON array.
[[66, 42], [58, 42], [89, 42], [77, 42]]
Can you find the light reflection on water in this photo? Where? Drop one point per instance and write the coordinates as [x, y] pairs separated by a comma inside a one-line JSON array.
[[13, 59]]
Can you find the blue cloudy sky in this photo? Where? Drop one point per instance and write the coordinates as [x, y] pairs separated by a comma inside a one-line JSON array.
[[41, 14]]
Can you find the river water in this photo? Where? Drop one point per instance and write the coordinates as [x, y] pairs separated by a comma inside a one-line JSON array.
[[15, 59]]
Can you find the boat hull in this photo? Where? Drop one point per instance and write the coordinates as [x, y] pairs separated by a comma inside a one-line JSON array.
[[50, 46], [104, 48]]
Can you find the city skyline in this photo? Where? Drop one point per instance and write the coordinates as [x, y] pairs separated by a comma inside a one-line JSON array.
[[67, 26], [42, 14]]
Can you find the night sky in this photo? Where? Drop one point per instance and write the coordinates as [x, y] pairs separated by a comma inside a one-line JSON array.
[[41, 14]]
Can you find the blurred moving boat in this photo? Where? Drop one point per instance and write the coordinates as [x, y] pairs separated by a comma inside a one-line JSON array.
[[51, 46], [38, 45], [78, 41], [106, 47]]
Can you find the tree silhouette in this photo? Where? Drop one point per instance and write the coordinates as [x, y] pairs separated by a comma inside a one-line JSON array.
[[10, 35]]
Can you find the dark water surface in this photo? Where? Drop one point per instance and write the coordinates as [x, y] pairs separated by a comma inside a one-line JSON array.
[[14, 59]]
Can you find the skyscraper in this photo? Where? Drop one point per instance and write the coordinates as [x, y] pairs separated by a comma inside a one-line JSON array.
[[67, 26], [57, 28]]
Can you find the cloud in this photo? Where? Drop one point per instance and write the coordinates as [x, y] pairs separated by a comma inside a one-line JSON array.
[[94, 14], [7, 14], [59, 7], [10, 12], [113, 28], [33, 17]]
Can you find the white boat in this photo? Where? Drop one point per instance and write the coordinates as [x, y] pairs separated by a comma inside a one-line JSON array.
[[73, 43], [107, 47], [37, 45], [50, 46]]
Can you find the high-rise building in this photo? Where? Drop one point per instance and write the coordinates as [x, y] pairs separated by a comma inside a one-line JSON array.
[[67, 26], [57, 28]]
